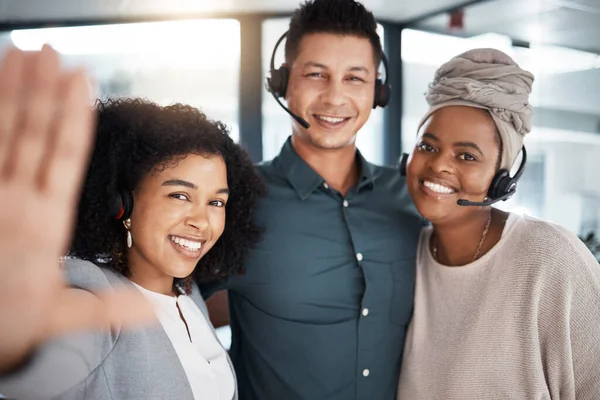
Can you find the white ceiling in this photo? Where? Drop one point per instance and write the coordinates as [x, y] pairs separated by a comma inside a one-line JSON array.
[[40, 10], [570, 23]]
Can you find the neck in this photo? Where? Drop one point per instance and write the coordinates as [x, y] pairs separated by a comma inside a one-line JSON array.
[[457, 242], [337, 167], [150, 279]]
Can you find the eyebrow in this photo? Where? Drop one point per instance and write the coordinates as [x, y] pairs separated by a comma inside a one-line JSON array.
[[180, 182], [323, 66], [471, 145]]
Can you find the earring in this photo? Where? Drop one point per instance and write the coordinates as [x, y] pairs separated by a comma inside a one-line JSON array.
[[127, 225]]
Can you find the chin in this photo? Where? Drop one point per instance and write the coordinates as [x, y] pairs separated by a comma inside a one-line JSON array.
[[181, 271], [433, 211], [332, 140]]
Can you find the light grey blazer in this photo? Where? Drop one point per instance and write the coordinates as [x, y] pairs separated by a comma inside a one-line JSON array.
[[126, 365]]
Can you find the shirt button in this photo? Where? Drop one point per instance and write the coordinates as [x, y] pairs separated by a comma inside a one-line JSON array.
[[359, 256], [325, 185], [366, 372], [345, 203], [365, 311]]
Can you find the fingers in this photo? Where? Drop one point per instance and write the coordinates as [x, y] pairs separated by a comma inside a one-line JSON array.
[[67, 157], [37, 111], [11, 72], [78, 310]]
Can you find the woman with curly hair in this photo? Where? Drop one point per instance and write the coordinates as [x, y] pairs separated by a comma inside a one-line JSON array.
[[168, 201]]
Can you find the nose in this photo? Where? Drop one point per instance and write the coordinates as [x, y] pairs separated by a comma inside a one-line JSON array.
[[198, 218], [334, 93], [442, 163]]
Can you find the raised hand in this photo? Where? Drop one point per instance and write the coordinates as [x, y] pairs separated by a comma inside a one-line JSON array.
[[46, 130]]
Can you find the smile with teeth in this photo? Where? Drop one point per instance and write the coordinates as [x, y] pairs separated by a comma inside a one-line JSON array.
[[186, 243], [331, 120], [436, 187]]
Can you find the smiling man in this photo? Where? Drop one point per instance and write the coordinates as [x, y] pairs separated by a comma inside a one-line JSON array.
[[322, 310]]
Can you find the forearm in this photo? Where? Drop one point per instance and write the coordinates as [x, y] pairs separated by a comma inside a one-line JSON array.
[[55, 364]]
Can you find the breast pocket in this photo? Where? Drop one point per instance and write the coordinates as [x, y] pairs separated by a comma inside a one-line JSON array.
[[403, 290]]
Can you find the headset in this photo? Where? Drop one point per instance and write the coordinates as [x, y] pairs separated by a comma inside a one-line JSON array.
[[121, 205], [277, 83], [502, 188]]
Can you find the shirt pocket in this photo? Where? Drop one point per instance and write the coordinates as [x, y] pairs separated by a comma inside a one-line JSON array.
[[403, 274]]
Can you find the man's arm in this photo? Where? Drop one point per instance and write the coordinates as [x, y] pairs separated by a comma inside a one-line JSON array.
[[218, 309]]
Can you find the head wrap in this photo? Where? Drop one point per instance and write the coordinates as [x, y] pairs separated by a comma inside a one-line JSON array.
[[487, 79]]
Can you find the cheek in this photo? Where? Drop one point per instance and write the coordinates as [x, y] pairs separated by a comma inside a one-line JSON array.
[[414, 166], [364, 96], [217, 223], [155, 219], [301, 93], [477, 180]]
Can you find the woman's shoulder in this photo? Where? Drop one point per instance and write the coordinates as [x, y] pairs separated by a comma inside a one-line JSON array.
[[553, 244], [90, 276]]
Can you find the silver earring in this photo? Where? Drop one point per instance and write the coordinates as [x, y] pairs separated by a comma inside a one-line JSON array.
[[127, 225]]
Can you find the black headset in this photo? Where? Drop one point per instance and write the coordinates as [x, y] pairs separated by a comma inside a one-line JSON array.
[[121, 204], [277, 82], [502, 188]]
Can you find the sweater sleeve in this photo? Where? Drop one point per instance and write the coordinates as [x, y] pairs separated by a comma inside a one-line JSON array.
[[585, 331], [569, 320], [65, 361]]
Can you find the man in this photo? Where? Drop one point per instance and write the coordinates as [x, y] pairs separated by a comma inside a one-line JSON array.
[[322, 310]]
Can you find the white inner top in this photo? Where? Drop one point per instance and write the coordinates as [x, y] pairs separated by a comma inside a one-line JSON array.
[[203, 358]]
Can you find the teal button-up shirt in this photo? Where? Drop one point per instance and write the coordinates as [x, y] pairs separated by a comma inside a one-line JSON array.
[[322, 310]]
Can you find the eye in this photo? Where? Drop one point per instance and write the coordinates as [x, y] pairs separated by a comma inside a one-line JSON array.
[[179, 196], [217, 203], [314, 75], [356, 79], [467, 157], [425, 147]]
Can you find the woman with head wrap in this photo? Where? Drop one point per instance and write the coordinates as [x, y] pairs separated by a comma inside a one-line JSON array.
[[506, 306]]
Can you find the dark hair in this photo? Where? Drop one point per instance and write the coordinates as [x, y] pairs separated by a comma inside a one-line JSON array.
[[136, 137], [339, 17]]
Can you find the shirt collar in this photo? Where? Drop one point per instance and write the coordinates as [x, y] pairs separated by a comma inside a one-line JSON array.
[[305, 180]]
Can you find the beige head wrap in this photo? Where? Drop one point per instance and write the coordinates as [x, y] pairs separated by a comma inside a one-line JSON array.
[[487, 79]]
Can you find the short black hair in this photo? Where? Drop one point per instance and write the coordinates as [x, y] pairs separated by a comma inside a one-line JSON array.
[[135, 137], [338, 17]]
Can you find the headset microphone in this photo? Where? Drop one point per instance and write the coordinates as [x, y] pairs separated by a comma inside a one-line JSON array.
[[300, 120], [463, 202]]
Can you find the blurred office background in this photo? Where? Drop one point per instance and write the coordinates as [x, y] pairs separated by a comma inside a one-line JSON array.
[[215, 54]]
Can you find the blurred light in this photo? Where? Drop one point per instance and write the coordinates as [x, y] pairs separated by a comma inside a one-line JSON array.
[[188, 41], [547, 59], [434, 49]]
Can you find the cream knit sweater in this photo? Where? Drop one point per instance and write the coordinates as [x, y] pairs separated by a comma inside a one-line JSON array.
[[522, 322]]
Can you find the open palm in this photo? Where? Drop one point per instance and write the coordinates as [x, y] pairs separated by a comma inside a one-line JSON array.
[[46, 129]]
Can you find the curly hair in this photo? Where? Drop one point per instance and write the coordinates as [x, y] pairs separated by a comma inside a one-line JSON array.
[[135, 137], [338, 17]]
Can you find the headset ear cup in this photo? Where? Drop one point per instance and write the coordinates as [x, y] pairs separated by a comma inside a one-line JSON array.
[[500, 184], [382, 94], [285, 74], [277, 82], [402, 164], [116, 207], [121, 205], [127, 203], [377, 97]]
